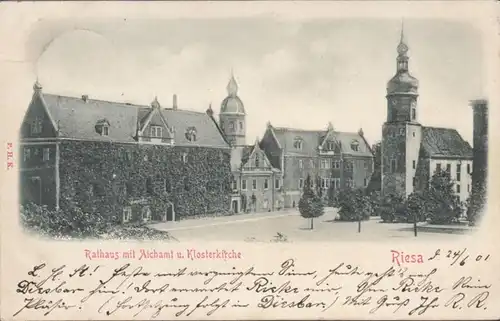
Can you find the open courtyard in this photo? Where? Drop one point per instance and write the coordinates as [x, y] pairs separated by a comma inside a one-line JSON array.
[[289, 226]]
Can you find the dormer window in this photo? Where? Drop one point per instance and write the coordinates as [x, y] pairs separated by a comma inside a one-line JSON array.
[[330, 145], [156, 131], [191, 134], [102, 127], [355, 145], [36, 125], [297, 143]]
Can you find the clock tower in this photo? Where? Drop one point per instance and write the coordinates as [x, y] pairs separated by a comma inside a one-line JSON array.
[[401, 133]]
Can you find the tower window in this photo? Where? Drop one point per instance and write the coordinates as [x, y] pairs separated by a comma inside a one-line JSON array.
[[301, 164], [331, 145], [413, 114], [36, 126], [393, 165], [257, 161], [241, 125], [231, 125], [414, 164]]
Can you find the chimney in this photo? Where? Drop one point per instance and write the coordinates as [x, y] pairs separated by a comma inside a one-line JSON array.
[[174, 102], [85, 98]]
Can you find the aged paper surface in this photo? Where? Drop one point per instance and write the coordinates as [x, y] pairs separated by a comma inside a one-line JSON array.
[[288, 160]]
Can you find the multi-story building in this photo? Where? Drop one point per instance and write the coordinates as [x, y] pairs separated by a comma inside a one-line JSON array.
[[256, 184], [411, 152], [329, 157], [126, 162]]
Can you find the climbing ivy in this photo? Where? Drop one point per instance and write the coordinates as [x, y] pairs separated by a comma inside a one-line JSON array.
[[103, 177]]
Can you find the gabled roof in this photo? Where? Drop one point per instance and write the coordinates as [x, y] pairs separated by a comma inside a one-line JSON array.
[[77, 118], [444, 142], [312, 139]]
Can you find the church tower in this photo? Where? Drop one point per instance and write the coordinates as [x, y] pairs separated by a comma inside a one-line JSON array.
[[401, 133], [232, 115]]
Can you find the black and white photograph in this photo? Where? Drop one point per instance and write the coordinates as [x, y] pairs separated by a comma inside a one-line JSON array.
[[255, 129], [249, 160]]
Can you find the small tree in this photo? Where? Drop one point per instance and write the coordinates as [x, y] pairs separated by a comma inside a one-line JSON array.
[[331, 196], [442, 205], [310, 204], [354, 205], [415, 205]]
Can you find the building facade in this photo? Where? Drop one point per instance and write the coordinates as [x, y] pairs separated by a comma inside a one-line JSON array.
[[411, 152], [329, 157], [126, 162], [256, 183]]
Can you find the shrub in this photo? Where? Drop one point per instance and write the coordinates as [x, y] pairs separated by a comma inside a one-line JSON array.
[[73, 223], [391, 207], [442, 205], [354, 205]]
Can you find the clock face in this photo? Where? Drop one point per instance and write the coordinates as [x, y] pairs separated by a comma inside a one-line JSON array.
[[394, 102], [413, 104]]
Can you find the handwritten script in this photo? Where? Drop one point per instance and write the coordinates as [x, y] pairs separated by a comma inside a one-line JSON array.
[[131, 289]]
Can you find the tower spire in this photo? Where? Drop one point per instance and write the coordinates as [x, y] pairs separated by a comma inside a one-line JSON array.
[[402, 39], [232, 86]]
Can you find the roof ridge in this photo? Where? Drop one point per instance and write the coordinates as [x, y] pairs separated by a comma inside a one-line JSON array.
[[436, 127], [98, 100]]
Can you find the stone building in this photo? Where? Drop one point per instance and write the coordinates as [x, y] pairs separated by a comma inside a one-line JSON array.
[[330, 157], [126, 162], [256, 185], [411, 152]]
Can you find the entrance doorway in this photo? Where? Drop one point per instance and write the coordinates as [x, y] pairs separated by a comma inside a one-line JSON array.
[[169, 214], [235, 206]]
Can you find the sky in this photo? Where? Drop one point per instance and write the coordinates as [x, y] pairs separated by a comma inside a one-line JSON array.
[[300, 74]]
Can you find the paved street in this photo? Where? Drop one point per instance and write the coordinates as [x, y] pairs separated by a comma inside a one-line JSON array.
[[264, 227]]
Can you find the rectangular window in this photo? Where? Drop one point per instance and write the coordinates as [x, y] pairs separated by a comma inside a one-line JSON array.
[[311, 163], [234, 185], [254, 184], [127, 214], [448, 168], [266, 183], [413, 114], [46, 154], [366, 164], [244, 184], [105, 131], [414, 181], [414, 164], [468, 168], [393, 165], [401, 131], [365, 181], [301, 164], [36, 126], [156, 131], [146, 214], [459, 177], [301, 183], [438, 167], [27, 154], [468, 188], [458, 188], [277, 183]]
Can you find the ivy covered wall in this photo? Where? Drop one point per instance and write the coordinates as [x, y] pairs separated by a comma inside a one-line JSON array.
[[104, 177]]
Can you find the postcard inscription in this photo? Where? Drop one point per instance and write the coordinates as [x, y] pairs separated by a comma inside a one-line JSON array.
[[113, 288]]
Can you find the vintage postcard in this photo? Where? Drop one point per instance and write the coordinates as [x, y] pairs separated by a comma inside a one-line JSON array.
[[249, 160]]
